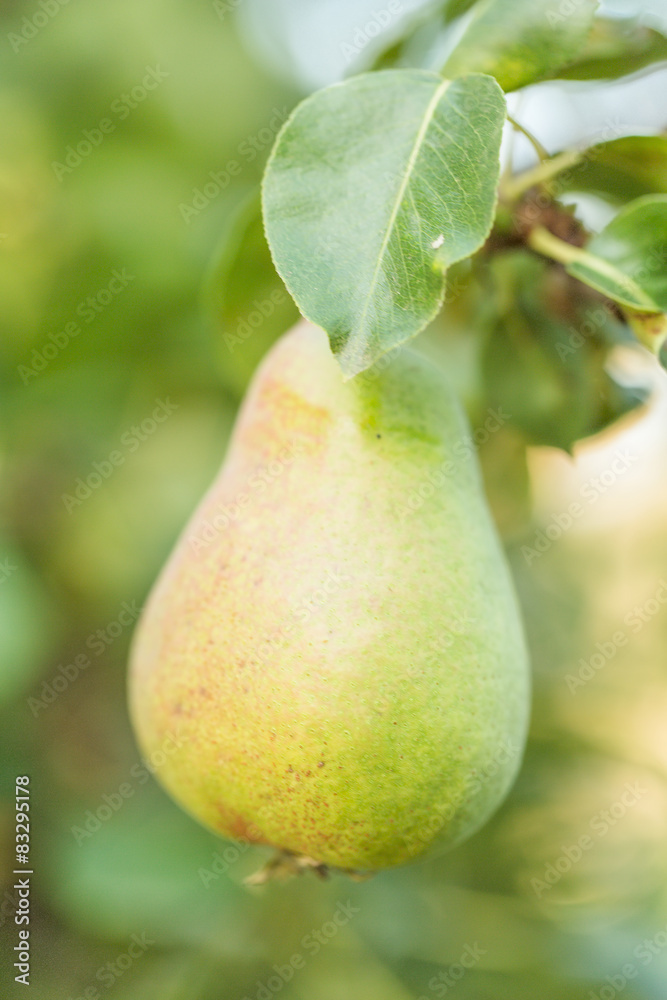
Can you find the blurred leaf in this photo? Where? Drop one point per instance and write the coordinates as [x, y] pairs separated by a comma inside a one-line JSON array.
[[520, 41], [420, 46], [180, 975], [246, 298], [456, 8], [374, 188], [143, 862], [625, 168], [112, 545], [663, 355], [626, 261], [616, 48], [548, 371], [26, 624], [507, 480], [582, 786]]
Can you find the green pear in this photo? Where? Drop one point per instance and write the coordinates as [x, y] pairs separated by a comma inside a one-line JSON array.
[[335, 641]]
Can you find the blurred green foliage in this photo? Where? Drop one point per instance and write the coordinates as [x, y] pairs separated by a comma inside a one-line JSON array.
[[86, 361]]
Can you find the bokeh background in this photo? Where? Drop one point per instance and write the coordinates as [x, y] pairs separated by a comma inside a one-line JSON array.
[[134, 281]]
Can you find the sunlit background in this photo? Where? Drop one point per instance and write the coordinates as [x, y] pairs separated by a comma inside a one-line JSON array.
[[132, 140]]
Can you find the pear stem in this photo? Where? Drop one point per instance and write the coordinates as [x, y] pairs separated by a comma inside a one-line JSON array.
[[513, 187], [544, 242], [535, 143], [284, 865], [650, 329]]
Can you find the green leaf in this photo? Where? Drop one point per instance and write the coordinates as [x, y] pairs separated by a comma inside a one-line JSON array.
[[455, 8], [375, 186], [622, 169], [616, 48], [520, 41], [662, 354], [626, 261], [246, 299], [545, 357]]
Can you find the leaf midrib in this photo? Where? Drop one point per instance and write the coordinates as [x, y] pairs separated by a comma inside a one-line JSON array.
[[601, 266], [419, 141]]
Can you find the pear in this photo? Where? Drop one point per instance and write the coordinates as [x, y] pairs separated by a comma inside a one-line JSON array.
[[335, 642]]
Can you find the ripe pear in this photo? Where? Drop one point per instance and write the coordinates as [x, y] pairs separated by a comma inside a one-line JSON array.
[[335, 641]]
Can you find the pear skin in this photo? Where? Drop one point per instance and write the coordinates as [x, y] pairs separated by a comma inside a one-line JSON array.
[[335, 639]]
